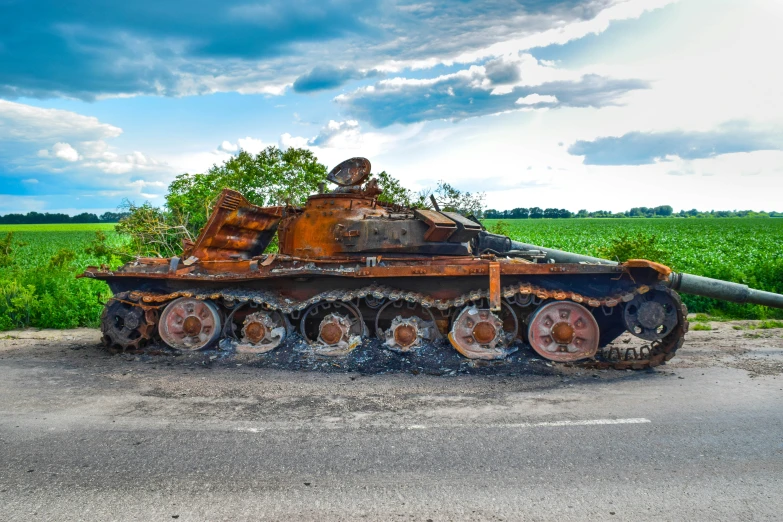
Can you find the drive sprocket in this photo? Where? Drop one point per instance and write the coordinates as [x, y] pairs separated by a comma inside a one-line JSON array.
[[650, 355]]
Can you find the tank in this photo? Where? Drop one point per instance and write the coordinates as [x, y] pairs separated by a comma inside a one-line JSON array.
[[349, 266]]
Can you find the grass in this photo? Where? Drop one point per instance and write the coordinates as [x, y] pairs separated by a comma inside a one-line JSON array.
[[64, 227], [701, 327], [769, 324], [38, 268]]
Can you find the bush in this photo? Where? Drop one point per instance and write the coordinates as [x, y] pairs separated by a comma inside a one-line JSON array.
[[628, 247]]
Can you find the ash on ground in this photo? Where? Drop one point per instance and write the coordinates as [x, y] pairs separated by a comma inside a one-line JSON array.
[[373, 357]]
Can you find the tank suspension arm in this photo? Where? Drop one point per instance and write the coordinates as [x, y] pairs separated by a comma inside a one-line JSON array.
[[723, 290]]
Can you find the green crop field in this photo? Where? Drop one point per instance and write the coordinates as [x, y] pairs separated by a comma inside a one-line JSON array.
[[38, 267], [38, 286]]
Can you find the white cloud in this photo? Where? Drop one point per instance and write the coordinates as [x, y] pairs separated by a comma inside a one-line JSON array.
[[195, 161], [540, 30], [96, 154], [206, 53], [337, 134], [228, 147], [97, 149], [20, 122], [251, 145], [533, 99], [64, 141], [287, 141], [31, 181], [65, 152], [137, 158]]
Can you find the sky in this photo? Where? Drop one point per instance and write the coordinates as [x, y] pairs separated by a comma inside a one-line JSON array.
[[596, 104]]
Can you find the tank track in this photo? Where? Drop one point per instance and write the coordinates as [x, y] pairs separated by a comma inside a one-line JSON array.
[[125, 326], [647, 356]]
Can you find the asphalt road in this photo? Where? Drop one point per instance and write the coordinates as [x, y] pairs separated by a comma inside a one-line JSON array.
[[86, 436]]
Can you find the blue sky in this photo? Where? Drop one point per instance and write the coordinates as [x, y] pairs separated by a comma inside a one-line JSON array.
[[599, 104]]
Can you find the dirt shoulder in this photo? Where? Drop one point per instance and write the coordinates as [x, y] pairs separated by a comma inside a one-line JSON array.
[[743, 345]]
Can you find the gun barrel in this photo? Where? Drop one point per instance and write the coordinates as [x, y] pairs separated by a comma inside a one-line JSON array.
[[723, 290]]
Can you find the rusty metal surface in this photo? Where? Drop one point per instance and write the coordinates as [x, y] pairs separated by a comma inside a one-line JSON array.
[[287, 305], [283, 266], [350, 172], [647, 356], [235, 230], [564, 332], [494, 286], [262, 332], [126, 326], [332, 328], [478, 334], [439, 227], [189, 324], [643, 263], [466, 229]]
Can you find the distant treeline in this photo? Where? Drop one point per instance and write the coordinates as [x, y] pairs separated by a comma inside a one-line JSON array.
[[636, 212], [36, 218]]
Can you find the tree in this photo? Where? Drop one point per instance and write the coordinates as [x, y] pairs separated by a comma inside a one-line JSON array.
[[153, 231], [112, 217], [451, 199], [393, 191], [271, 177], [85, 217]]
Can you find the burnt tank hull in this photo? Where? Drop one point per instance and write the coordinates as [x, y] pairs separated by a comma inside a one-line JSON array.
[[350, 267], [435, 291]]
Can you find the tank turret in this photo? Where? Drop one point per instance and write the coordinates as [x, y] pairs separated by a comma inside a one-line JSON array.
[[350, 221], [349, 266]]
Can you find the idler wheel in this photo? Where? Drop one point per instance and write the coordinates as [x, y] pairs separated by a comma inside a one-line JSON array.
[[651, 316], [189, 324], [477, 333], [262, 332], [332, 328], [563, 331]]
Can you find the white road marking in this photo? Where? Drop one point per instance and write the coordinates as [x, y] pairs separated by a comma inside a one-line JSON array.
[[550, 424], [588, 422], [519, 425]]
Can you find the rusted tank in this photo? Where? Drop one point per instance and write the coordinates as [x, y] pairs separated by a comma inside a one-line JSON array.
[[350, 267]]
